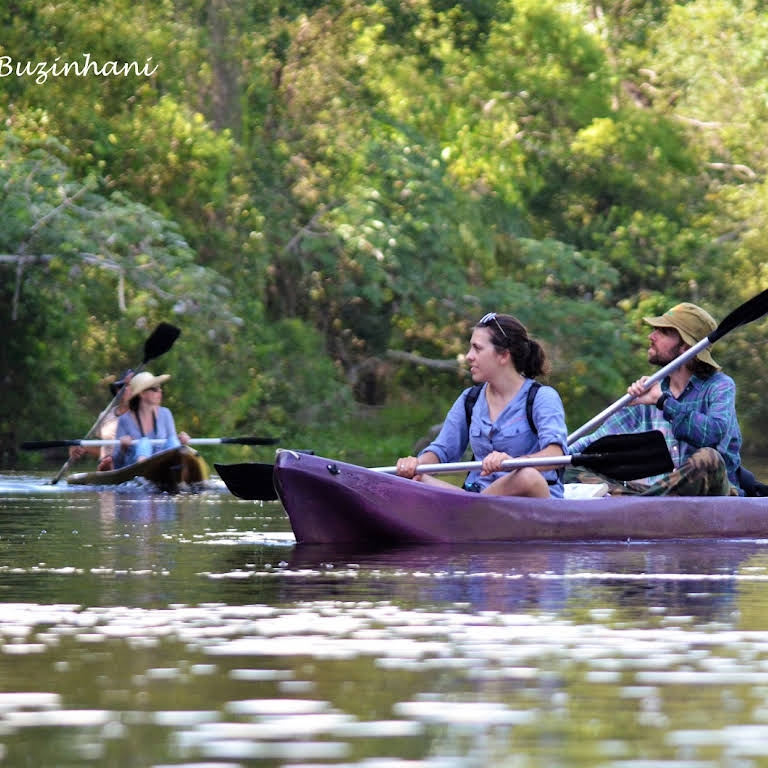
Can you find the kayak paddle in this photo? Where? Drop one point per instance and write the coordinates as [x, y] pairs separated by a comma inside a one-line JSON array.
[[250, 480], [36, 445], [751, 310], [621, 457], [158, 343]]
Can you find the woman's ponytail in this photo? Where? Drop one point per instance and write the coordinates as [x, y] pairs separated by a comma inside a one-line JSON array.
[[536, 362]]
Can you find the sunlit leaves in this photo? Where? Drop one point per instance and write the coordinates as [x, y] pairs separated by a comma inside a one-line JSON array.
[[377, 174]]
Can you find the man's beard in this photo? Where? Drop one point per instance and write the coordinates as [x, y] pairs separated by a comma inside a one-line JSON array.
[[655, 359]]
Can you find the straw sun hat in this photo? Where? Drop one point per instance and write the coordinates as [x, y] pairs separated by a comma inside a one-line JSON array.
[[145, 380]]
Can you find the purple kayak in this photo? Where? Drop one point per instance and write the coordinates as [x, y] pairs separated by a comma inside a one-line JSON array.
[[331, 502]]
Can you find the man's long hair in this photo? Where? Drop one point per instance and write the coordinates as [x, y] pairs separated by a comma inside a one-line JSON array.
[[701, 369]]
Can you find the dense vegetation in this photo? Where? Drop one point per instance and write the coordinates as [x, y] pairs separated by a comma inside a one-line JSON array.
[[324, 196]]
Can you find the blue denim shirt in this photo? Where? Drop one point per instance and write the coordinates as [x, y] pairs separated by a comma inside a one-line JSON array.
[[141, 448], [510, 433], [704, 416]]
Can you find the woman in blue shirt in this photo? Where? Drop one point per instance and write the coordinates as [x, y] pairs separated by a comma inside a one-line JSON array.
[[145, 420], [506, 359]]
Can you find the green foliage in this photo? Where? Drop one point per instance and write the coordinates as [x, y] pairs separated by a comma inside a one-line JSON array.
[[169, 155], [303, 186], [80, 269], [288, 385], [723, 113]]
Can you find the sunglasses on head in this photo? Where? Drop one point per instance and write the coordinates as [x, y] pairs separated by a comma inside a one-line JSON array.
[[491, 318]]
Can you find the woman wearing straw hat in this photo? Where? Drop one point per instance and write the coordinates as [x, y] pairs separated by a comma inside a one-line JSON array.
[[145, 420]]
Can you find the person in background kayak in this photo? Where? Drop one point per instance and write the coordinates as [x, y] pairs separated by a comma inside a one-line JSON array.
[[694, 407], [506, 361], [145, 420], [108, 427]]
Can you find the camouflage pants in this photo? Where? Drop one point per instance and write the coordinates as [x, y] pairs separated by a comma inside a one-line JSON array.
[[703, 474]]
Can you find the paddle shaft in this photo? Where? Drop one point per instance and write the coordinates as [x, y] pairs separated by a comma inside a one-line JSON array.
[[621, 457], [92, 430], [151, 440], [469, 466], [43, 444]]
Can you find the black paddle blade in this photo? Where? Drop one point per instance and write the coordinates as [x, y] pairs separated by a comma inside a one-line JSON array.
[[38, 445], [627, 457], [751, 310], [160, 341], [252, 481], [250, 440]]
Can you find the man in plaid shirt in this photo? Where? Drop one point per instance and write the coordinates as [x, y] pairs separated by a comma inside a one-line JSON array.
[[694, 408]]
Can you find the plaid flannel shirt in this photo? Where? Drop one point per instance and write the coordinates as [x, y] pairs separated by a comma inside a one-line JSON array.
[[703, 416]]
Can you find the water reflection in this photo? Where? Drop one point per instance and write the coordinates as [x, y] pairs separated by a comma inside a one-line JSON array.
[[684, 576], [191, 630]]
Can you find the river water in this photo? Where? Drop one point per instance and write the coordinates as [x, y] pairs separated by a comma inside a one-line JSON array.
[[149, 630]]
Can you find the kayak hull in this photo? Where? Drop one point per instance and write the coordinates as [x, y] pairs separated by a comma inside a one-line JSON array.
[[330, 502], [168, 470]]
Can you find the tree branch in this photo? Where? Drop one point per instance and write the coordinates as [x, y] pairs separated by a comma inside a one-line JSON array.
[[16, 258], [740, 170], [698, 123], [307, 230], [17, 290], [409, 357], [65, 203]]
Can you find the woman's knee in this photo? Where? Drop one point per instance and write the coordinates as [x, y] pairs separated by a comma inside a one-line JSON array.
[[525, 481], [535, 483]]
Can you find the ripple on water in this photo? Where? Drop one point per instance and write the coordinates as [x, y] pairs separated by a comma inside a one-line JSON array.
[[491, 653], [233, 537], [671, 763], [481, 713], [393, 762], [736, 740], [260, 675], [264, 707], [277, 728], [287, 750], [60, 718], [18, 701], [217, 764], [178, 718]]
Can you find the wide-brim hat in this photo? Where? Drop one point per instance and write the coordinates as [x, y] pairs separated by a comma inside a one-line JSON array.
[[145, 380], [692, 323]]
